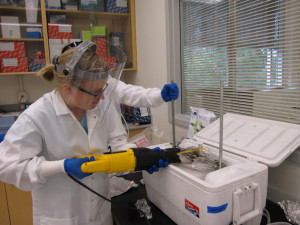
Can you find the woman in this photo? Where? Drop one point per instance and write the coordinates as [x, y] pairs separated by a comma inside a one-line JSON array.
[[42, 145]]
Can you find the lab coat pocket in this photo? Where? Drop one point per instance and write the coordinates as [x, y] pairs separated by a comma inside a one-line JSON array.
[[58, 221]]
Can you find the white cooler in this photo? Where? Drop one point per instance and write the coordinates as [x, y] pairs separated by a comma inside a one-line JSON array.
[[236, 193]]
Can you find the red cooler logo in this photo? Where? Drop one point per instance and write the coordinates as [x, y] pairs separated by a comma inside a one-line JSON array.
[[192, 208]]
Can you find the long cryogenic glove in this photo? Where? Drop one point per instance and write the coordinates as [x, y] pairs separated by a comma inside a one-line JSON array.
[[161, 163], [169, 92], [73, 166]]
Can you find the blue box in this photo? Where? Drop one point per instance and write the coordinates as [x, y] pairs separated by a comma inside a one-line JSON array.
[[91, 6], [117, 6], [33, 34], [32, 67], [117, 47], [2, 137], [5, 124]]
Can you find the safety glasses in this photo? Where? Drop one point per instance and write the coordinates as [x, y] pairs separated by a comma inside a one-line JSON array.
[[96, 95]]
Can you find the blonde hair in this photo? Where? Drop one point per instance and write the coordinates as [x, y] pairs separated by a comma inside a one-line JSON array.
[[89, 61]]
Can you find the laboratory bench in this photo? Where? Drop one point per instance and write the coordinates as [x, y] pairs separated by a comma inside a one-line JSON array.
[[124, 213]]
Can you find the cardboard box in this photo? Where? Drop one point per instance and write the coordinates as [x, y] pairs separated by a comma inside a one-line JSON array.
[[53, 4], [32, 67], [98, 31], [14, 65], [12, 49], [117, 45], [70, 7], [117, 6], [33, 32], [56, 45], [58, 19], [92, 5], [111, 61], [59, 31], [101, 46], [86, 35], [10, 27]]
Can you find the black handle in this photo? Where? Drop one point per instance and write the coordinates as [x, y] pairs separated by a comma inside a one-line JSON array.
[[146, 158]]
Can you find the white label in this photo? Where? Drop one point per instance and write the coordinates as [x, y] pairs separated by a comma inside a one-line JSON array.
[[121, 3], [144, 112], [10, 62], [116, 41], [54, 3], [7, 46], [89, 2], [65, 28]]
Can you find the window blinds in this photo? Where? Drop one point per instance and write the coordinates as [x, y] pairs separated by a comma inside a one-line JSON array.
[[253, 46]]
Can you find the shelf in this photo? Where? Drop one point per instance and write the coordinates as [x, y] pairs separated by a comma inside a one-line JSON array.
[[18, 73], [107, 15], [22, 39], [17, 8]]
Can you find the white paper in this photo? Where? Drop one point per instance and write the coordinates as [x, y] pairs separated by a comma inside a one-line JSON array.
[[121, 3], [54, 4], [10, 62], [144, 111], [65, 28], [116, 41], [7, 46]]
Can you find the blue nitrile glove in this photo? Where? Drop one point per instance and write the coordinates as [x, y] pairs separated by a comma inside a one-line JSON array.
[[73, 166], [161, 163], [169, 92]]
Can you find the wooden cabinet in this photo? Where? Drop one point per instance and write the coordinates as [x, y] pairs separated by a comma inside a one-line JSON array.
[[13, 29], [4, 214], [15, 206], [19, 205], [80, 20]]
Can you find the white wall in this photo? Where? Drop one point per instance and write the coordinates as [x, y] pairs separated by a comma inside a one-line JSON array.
[[152, 57], [10, 86]]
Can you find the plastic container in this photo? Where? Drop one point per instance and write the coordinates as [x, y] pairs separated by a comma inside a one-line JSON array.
[[236, 193]]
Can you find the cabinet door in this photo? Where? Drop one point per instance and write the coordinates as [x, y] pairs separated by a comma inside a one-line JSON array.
[[4, 217], [19, 205]]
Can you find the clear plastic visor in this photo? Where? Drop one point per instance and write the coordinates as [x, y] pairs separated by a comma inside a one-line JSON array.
[[94, 79]]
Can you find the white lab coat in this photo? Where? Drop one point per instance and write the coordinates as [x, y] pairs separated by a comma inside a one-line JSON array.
[[134, 95], [47, 130], [137, 96]]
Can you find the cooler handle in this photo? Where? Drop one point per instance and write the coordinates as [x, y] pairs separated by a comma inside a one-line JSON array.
[[237, 217]]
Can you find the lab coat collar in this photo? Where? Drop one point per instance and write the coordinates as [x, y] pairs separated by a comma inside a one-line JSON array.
[[62, 109], [59, 104]]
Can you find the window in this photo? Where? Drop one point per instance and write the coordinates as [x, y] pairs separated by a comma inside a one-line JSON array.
[[253, 46]]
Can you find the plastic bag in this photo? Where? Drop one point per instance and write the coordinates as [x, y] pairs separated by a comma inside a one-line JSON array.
[[291, 210], [200, 118]]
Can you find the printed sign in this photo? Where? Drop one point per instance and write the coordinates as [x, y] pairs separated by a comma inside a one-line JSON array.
[[192, 208]]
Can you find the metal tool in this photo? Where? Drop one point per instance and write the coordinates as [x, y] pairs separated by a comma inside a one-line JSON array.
[[221, 123], [173, 121], [134, 159]]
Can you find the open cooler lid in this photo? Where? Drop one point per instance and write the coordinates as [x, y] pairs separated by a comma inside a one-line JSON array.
[[266, 141]]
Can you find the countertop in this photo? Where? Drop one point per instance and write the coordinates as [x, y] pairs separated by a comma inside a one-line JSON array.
[[124, 212]]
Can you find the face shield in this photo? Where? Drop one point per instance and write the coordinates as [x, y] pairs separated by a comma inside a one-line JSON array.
[[92, 78]]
